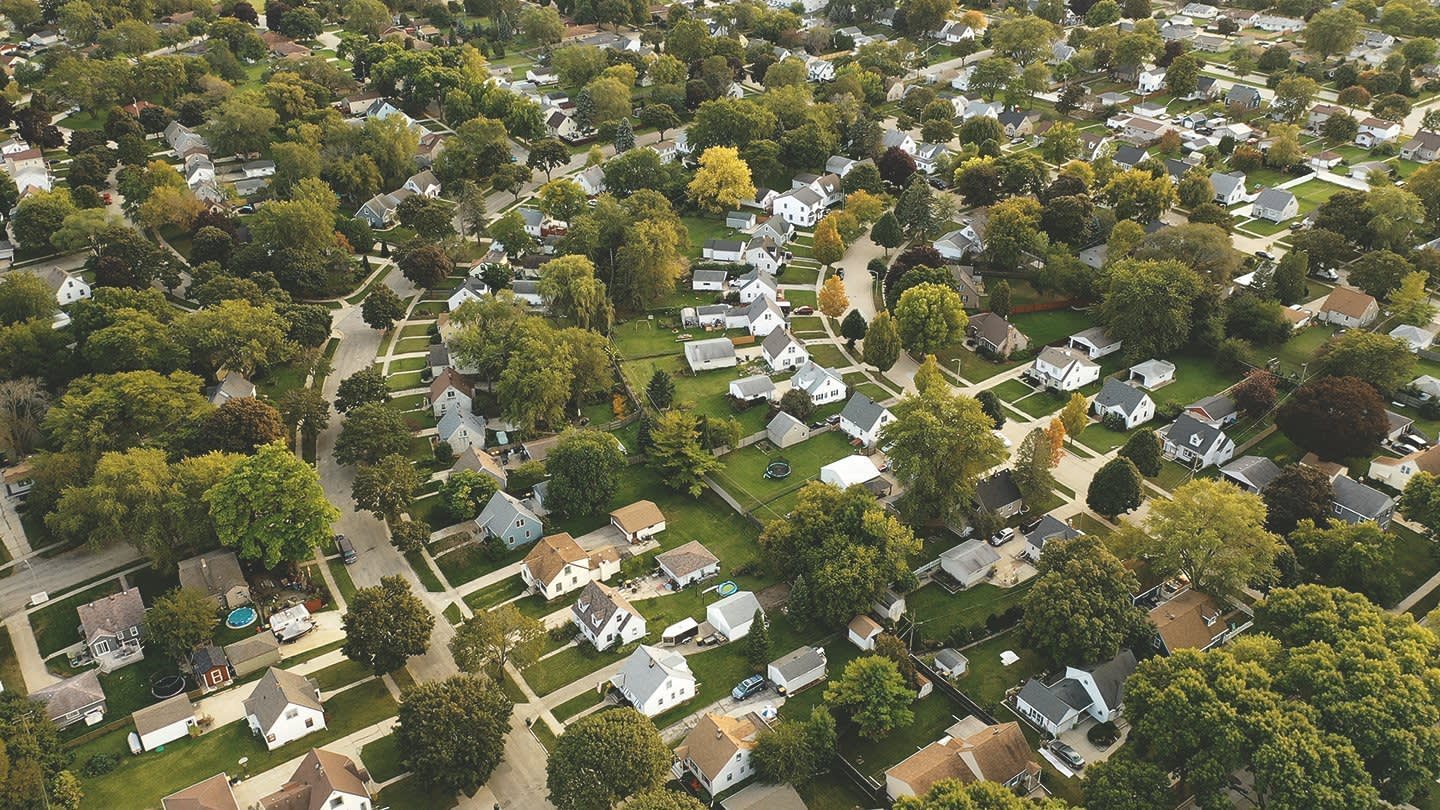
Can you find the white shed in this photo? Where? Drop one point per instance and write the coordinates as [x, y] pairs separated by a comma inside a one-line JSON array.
[[733, 615], [849, 471], [165, 722], [797, 670]]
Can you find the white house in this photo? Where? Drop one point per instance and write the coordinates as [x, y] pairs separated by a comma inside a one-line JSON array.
[[606, 618], [461, 429], [802, 207], [113, 629], [688, 564], [1133, 406], [1196, 443], [557, 565], [732, 616], [164, 722], [783, 350], [863, 418], [1152, 374], [970, 562], [448, 392], [1275, 204], [1097, 691], [591, 181], [752, 388], [1095, 342], [1374, 131], [862, 632], [898, 139], [817, 69], [324, 779], [1229, 187], [708, 280], [1063, 369], [760, 317], [955, 244], [1150, 81], [653, 680], [638, 521], [284, 707], [754, 284], [704, 355], [822, 384], [474, 289], [1397, 472], [797, 669], [717, 751], [424, 183], [1349, 308]]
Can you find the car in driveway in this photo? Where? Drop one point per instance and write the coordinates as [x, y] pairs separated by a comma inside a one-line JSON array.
[[1001, 537], [1067, 755], [749, 687]]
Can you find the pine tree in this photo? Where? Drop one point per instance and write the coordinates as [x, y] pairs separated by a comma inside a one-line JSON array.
[[1116, 488], [1143, 448], [799, 604], [990, 404], [661, 390], [642, 438], [887, 232], [624, 136], [1289, 277], [882, 342], [853, 328], [757, 643], [1000, 298], [916, 208]]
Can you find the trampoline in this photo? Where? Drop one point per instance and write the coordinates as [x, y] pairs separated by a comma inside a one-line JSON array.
[[727, 588], [166, 686], [241, 617], [779, 468]]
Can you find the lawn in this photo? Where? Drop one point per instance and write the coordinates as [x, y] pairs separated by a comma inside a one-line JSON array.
[[938, 613], [578, 704], [424, 572], [800, 298], [933, 715], [569, 665], [10, 666], [382, 758], [706, 393], [987, 679], [646, 338], [341, 574], [342, 674], [470, 562], [408, 792], [128, 688], [1195, 378], [1301, 348], [57, 625], [1313, 193], [1416, 559], [1042, 403], [188, 761], [1011, 390], [970, 365], [1264, 227], [1044, 328], [1277, 448], [828, 354], [1102, 439], [703, 229], [744, 473]]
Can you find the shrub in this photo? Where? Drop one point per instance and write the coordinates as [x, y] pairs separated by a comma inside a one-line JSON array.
[[100, 764], [1103, 735], [444, 454], [1114, 421]]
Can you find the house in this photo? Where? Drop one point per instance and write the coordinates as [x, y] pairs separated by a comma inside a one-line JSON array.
[[164, 722], [1060, 53], [1097, 691], [1063, 369], [478, 461], [1243, 96], [951, 663], [199, 169], [1200, 11], [45, 37], [1049, 528], [956, 244], [562, 125], [717, 751], [1319, 114], [1218, 410], [1229, 187], [1397, 472], [1095, 342], [1349, 308], [639, 521], [970, 286], [323, 779], [450, 392], [953, 32], [760, 317], [999, 495], [1017, 123], [969, 752], [1195, 443], [606, 618], [1152, 374], [1375, 131], [218, 574], [284, 707], [969, 563], [1143, 131], [708, 280], [1150, 81], [1133, 406], [982, 109], [252, 654], [705, 355], [558, 565], [68, 288], [898, 139], [782, 351], [1275, 204], [461, 429], [509, 520], [1357, 503], [823, 385], [763, 200], [785, 430], [211, 794], [1276, 24], [753, 388], [1422, 148], [797, 669], [775, 229], [1191, 620], [1128, 157], [591, 181], [74, 699], [928, 156], [210, 667], [112, 628], [1251, 473], [849, 471], [889, 607], [473, 288], [688, 564], [996, 336], [863, 418], [732, 616], [378, 211], [653, 680], [232, 386], [862, 632], [801, 207]]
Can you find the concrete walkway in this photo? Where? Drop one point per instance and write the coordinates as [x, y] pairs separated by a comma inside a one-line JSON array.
[[32, 665]]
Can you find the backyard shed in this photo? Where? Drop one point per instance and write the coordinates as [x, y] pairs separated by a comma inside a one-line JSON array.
[[797, 670], [164, 722]]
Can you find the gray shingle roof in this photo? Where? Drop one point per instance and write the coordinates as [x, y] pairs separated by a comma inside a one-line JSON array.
[[971, 556], [278, 690], [71, 694], [1183, 429], [1120, 394], [798, 662], [647, 669], [738, 608], [112, 615], [1054, 702], [758, 385], [862, 411], [1257, 470], [1274, 199], [776, 341], [1359, 498], [501, 511], [997, 490], [1050, 528], [159, 715], [1225, 182], [1110, 677], [710, 276], [687, 559], [810, 376], [699, 351]]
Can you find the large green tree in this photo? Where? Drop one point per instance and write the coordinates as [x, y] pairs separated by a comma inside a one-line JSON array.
[[180, 621], [873, 694], [584, 469], [370, 433], [492, 638], [675, 453], [1149, 305], [451, 733], [940, 443], [1383, 361], [1080, 608], [386, 624], [604, 758], [271, 508]]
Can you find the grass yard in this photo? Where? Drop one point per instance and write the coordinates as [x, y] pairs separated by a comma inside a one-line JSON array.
[[939, 613], [1090, 525], [493, 595], [799, 273], [1195, 378], [1416, 559], [401, 382], [1102, 439], [341, 574], [828, 354], [1313, 193], [799, 298], [647, 338], [409, 792], [57, 625], [1044, 328], [970, 365], [1277, 448], [933, 715], [744, 473], [128, 688], [1264, 227], [453, 615], [706, 392], [10, 667], [342, 674], [1011, 390], [1042, 403], [188, 761], [703, 229], [423, 571], [571, 664], [987, 679], [382, 758], [576, 705], [414, 330], [469, 562], [1301, 348]]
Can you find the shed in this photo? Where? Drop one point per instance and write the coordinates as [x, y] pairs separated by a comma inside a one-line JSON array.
[[951, 663], [210, 667], [639, 521], [796, 670], [253, 654], [863, 631], [785, 430], [164, 722], [849, 471], [1152, 373]]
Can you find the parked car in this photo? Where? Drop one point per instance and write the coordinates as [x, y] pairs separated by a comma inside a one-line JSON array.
[[832, 419], [750, 686], [1264, 254], [807, 310], [1001, 537], [1067, 754], [346, 549]]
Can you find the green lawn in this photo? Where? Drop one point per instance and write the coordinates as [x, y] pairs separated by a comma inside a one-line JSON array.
[[382, 758], [1313, 193], [342, 674], [423, 572], [470, 562], [341, 574], [453, 615], [408, 792], [1264, 227], [128, 688], [576, 705], [188, 761], [706, 393], [1301, 348], [569, 665], [1277, 448], [1011, 390], [1042, 403], [1044, 328], [1416, 559], [938, 613], [1195, 378], [828, 355], [970, 365], [744, 473], [703, 229], [57, 625], [799, 298], [987, 679], [10, 666], [646, 338], [1102, 439]]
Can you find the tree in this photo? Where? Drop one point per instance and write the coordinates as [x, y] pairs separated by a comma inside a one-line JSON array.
[[874, 694], [887, 233], [722, 180], [364, 387], [676, 454], [1379, 272], [795, 751], [234, 335], [542, 24], [1149, 305], [1336, 417], [465, 492], [1331, 31], [832, 300], [1075, 415], [271, 508], [1212, 533], [180, 621], [828, 246], [561, 199], [1293, 97], [584, 469], [929, 317], [23, 404], [1183, 74], [797, 403], [1380, 360], [385, 625], [1124, 782], [1299, 493], [451, 733], [490, 639], [896, 166], [659, 116], [24, 297], [1421, 501], [942, 442], [241, 425], [663, 799], [853, 328], [604, 758], [570, 290], [1356, 556], [382, 308], [1137, 195], [40, 216], [1255, 395], [428, 217], [757, 643], [917, 209], [882, 342], [1081, 608], [240, 124], [1116, 488], [370, 433], [1033, 462], [1013, 230], [387, 487], [1289, 277], [990, 404], [661, 389], [1411, 303], [425, 264]]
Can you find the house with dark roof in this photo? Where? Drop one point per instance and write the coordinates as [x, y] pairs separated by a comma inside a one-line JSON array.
[[73, 700], [1218, 410], [999, 495], [1229, 187], [1128, 156], [1355, 502], [863, 418], [1251, 473], [1423, 148], [477, 460], [508, 519], [284, 707], [800, 668], [210, 667], [1122, 400], [823, 385], [606, 618], [1195, 443], [211, 794], [1246, 97], [113, 628], [688, 564], [1097, 691], [217, 574], [995, 336], [753, 388], [1049, 528]]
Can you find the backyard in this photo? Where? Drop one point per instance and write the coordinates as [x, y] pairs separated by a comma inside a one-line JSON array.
[[743, 476]]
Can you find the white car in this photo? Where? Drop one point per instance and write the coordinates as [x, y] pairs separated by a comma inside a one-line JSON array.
[[1005, 440]]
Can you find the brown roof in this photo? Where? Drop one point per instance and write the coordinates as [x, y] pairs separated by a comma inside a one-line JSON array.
[[213, 573], [212, 794], [995, 753], [112, 615], [637, 516], [479, 461], [688, 558], [1347, 302], [447, 378], [320, 774], [159, 715], [864, 626], [551, 554], [717, 738], [72, 694], [1425, 461], [19, 472], [1181, 621], [247, 649]]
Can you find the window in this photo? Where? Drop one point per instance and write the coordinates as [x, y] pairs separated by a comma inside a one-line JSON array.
[[337, 801], [309, 722], [102, 646]]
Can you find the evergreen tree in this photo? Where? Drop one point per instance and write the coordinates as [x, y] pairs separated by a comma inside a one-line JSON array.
[[992, 407], [916, 208], [1116, 488], [1143, 448], [643, 439], [624, 136], [887, 232], [853, 328], [1289, 278], [757, 643], [661, 390], [1000, 298], [882, 342]]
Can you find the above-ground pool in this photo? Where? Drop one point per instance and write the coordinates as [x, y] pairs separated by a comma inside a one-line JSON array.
[[727, 588], [241, 617]]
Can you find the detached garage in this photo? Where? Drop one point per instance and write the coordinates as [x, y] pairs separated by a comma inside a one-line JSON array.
[[797, 670], [165, 722]]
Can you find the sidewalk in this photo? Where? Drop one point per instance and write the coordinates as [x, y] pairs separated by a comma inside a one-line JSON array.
[[32, 666]]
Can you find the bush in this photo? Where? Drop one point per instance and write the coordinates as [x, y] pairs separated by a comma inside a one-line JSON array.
[[100, 764], [748, 568], [444, 454], [1114, 421], [996, 622], [564, 632], [1103, 735], [493, 548], [877, 266]]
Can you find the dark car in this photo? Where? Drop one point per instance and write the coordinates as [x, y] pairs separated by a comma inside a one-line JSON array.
[[939, 183], [1067, 754], [1263, 254], [748, 687], [346, 549]]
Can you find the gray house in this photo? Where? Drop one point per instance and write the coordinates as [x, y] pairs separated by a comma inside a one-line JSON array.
[[1356, 503], [1276, 205], [1251, 473], [785, 430], [112, 628], [73, 699], [1247, 97], [509, 520]]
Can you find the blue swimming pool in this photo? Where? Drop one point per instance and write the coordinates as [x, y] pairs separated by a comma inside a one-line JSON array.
[[241, 617]]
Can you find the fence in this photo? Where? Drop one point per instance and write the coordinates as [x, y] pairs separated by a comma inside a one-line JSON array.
[[1044, 306], [871, 788], [943, 685]]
